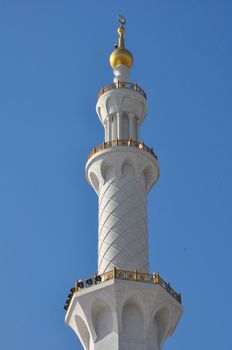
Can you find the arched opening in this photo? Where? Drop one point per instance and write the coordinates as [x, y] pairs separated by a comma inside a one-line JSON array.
[[107, 171], [133, 320], [161, 321], [83, 332], [94, 181], [102, 319], [148, 177], [127, 169]]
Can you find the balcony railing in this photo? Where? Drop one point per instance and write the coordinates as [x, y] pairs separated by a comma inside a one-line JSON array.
[[115, 143], [122, 275], [124, 85]]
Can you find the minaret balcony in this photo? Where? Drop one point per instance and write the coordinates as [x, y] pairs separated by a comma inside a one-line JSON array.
[[122, 275], [122, 85], [118, 143]]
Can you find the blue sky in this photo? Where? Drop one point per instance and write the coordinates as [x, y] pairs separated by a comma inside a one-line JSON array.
[[53, 61]]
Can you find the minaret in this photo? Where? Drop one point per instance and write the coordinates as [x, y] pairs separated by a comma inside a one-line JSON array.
[[122, 306]]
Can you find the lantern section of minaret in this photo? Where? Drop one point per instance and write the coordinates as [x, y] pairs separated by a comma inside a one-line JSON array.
[[131, 309]]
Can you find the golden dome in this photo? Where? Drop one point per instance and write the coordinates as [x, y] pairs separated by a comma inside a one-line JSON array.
[[121, 55]]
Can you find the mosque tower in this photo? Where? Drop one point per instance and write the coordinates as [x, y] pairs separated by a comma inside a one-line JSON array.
[[122, 306]]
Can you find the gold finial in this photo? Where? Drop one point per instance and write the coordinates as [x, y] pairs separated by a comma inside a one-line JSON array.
[[121, 55], [121, 31], [121, 19]]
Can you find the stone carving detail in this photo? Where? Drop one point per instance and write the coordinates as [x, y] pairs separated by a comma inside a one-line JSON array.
[[161, 320], [123, 315], [122, 179], [119, 100], [102, 318], [122, 240], [83, 332]]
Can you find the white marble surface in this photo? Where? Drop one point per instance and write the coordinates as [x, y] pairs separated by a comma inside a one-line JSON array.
[[123, 315], [122, 176], [121, 111]]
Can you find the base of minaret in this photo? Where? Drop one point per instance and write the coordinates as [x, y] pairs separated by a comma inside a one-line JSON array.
[[125, 314]]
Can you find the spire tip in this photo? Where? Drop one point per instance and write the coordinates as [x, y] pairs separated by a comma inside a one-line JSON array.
[[121, 55]]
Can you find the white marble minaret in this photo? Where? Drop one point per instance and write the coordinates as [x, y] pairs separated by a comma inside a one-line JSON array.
[[122, 306]]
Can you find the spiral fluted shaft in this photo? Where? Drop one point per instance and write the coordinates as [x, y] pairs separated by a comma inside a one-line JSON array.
[[122, 176], [122, 240]]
